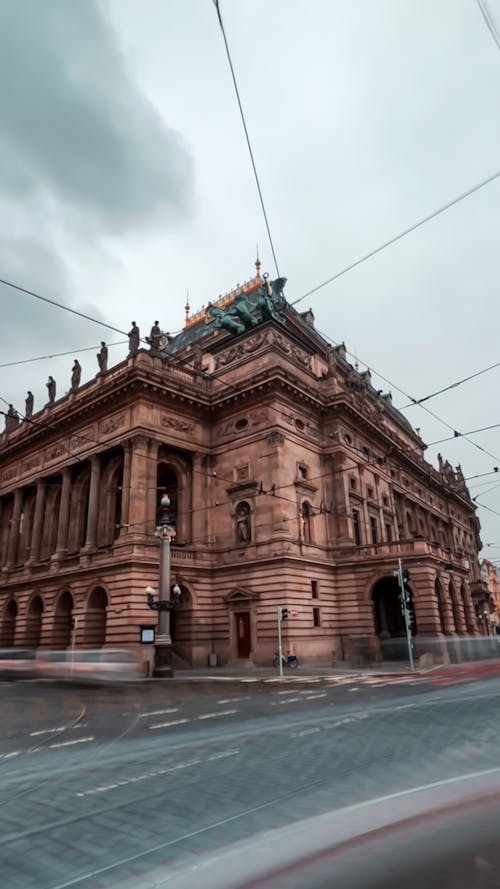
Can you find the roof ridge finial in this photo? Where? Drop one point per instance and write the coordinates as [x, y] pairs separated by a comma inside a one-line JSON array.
[[257, 263], [187, 307]]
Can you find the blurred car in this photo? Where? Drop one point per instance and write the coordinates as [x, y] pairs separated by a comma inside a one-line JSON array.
[[84, 665], [17, 663]]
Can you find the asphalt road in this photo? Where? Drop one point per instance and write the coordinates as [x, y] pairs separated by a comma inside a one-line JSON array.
[[108, 787]]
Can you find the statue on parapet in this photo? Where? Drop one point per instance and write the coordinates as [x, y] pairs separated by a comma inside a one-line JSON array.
[[28, 406], [76, 375], [134, 339], [51, 388], [11, 419], [249, 309], [102, 358], [157, 339]]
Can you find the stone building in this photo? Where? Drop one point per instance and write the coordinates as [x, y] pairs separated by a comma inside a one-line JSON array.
[[293, 483]]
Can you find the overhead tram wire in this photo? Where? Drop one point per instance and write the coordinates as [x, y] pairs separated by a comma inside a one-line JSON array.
[[488, 22], [58, 354], [406, 395], [247, 137], [53, 302], [463, 434], [402, 234], [418, 401]]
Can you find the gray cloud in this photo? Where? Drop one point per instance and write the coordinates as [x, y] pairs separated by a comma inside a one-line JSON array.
[[75, 128]]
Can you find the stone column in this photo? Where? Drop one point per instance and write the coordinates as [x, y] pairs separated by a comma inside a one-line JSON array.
[[151, 486], [404, 518], [340, 486], [14, 529], [198, 504], [93, 512], [449, 622], [63, 525], [36, 536], [138, 490], [127, 463]]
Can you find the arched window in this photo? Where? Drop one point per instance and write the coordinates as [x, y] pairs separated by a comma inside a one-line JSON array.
[[110, 504], [305, 521], [243, 523], [33, 631], [8, 627], [95, 618], [63, 621]]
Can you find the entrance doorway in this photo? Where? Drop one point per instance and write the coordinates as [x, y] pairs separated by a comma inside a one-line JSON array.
[[243, 634], [389, 619]]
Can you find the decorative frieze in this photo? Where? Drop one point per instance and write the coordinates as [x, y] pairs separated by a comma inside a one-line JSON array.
[[111, 424], [177, 424]]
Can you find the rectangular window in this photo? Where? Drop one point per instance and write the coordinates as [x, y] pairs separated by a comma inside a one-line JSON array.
[[356, 527], [316, 617], [374, 529], [388, 533], [314, 589]]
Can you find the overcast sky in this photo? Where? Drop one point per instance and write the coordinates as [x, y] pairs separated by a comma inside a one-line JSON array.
[[125, 181]]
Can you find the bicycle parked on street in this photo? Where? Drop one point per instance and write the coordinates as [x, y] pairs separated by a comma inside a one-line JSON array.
[[289, 660]]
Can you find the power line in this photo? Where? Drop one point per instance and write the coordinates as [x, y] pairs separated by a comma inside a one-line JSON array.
[[247, 137], [418, 401], [423, 406], [489, 22], [484, 493], [463, 434], [52, 302], [58, 354], [481, 474], [402, 234]]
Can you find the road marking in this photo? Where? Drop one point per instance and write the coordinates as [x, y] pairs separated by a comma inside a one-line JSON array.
[[307, 731], [292, 692], [354, 689], [158, 712], [168, 724], [10, 755], [315, 697], [48, 731], [234, 700], [71, 743], [220, 713], [222, 755], [103, 788], [286, 701]]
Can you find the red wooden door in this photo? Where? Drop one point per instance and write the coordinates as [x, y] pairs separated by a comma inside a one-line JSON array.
[[243, 639]]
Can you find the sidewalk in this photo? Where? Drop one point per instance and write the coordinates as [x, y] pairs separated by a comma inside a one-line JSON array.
[[322, 672]]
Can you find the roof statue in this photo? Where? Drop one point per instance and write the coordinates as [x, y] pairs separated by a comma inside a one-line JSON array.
[[249, 309]]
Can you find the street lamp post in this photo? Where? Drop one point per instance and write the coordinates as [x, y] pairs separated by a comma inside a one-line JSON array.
[[165, 531]]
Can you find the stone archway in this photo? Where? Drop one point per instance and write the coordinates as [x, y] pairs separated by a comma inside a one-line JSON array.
[[34, 617], [8, 627], [389, 620], [63, 621], [95, 619]]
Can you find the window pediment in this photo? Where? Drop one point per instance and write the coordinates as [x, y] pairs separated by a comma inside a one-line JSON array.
[[240, 595]]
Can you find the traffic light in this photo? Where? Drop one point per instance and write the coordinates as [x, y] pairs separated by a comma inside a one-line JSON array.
[[284, 614], [406, 575]]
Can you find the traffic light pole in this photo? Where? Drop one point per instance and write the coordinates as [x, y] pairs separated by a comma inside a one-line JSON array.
[[405, 600], [280, 645]]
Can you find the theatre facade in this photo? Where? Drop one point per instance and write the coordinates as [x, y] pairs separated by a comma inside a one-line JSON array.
[[293, 482]]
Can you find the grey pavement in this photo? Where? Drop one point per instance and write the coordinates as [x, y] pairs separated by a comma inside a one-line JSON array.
[[146, 778]]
